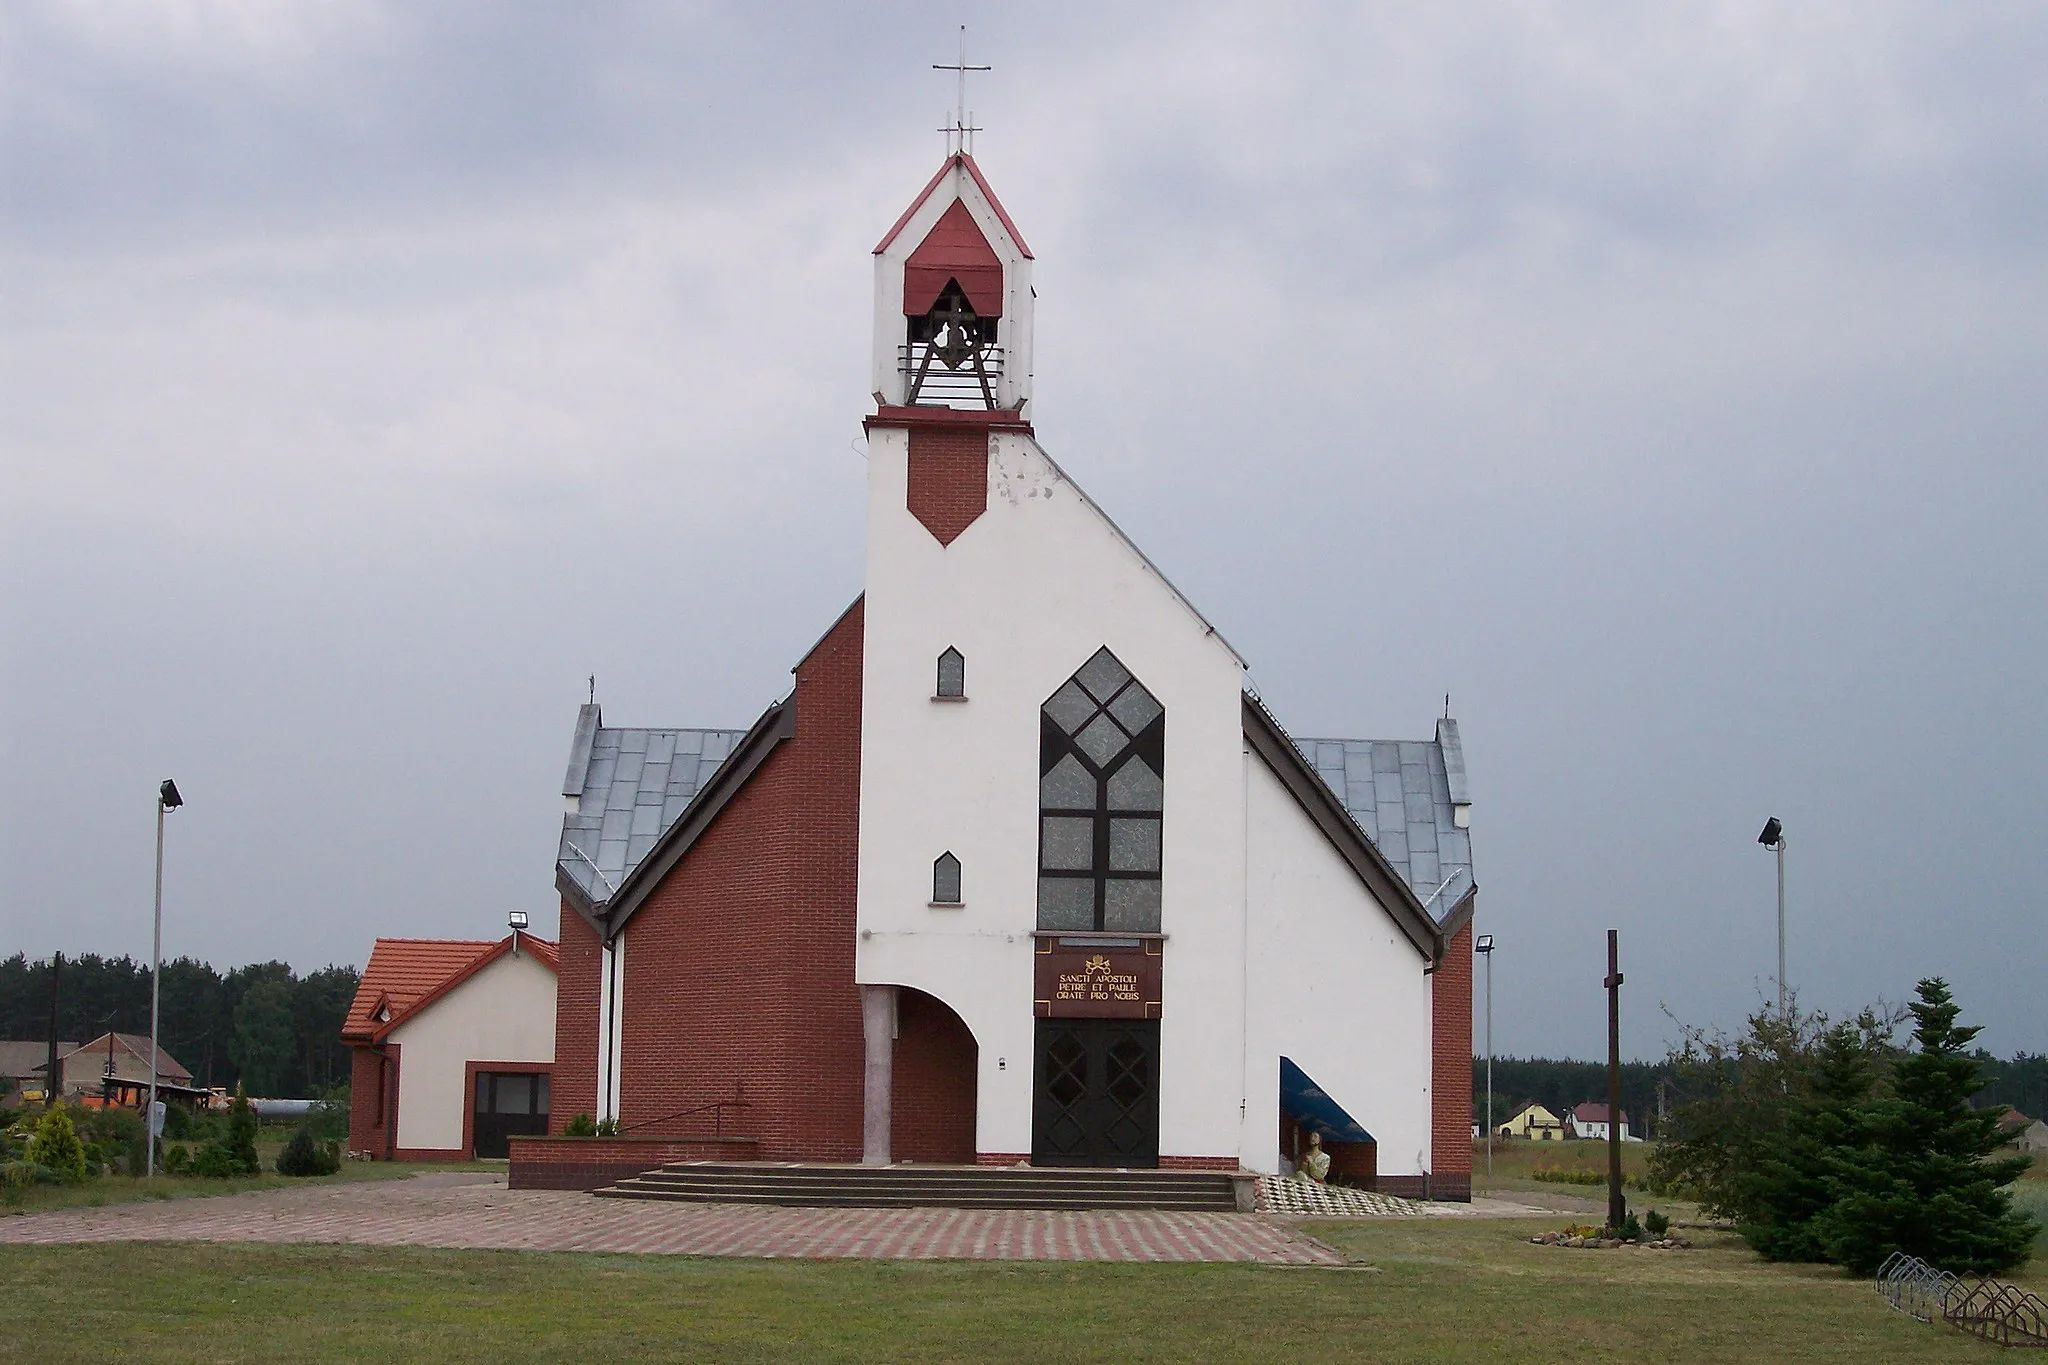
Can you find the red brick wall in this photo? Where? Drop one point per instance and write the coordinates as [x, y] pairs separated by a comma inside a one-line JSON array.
[[932, 1101], [739, 966], [573, 1090], [948, 485], [1450, 1148], [559, 1163], [369, 1122]]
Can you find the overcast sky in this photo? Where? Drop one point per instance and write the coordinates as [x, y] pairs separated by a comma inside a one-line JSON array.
[[1668, 384]]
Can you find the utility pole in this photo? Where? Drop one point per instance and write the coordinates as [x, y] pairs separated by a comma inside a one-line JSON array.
[[1617, 1207]]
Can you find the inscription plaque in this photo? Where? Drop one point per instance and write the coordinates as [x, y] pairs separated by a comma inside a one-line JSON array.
[[1080, 976]]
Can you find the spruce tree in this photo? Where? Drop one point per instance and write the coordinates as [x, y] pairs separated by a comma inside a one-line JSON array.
[[1789, 1187], [1928, 1181], [242, 1134]]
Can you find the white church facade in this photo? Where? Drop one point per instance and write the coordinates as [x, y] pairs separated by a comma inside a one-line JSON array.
[[1040, 884]]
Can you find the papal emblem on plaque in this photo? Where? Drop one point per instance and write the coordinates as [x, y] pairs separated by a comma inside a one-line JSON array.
[[1098, 963]]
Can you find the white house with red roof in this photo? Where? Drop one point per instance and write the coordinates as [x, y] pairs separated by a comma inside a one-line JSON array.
[[1590, 1120], [454, 1043]]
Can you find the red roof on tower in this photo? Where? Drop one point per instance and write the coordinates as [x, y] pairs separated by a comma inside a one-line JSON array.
[[960, 159], [953, 250]]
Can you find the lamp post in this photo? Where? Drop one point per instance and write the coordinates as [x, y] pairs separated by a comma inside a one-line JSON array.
[[167, 800], [1773, 837], [1484, 947]]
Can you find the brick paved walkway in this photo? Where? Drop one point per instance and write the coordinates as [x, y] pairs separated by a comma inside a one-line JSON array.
[[451, 1209]]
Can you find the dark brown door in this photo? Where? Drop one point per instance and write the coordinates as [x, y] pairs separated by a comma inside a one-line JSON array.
[[1096, 1101], [508, 1103]]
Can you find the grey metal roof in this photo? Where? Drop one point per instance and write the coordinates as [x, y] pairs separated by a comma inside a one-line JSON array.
[[1404, 793], [634, 783]]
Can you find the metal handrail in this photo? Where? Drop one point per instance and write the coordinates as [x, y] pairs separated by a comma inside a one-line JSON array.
[[716, 1107]]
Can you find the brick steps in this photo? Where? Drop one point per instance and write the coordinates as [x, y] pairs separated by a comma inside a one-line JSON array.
[[952, 1187]]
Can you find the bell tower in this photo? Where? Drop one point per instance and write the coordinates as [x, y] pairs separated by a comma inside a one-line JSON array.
[[953, 301]]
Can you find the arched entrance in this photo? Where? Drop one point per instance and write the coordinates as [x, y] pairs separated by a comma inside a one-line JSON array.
[[934, 1079]]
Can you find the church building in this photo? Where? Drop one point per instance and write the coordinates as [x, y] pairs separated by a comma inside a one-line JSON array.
[[1045, 884]]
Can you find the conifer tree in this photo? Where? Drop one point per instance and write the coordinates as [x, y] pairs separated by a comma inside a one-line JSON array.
[[1790, 1185], [1928, 1180], [242, 1134], [55, 1145]]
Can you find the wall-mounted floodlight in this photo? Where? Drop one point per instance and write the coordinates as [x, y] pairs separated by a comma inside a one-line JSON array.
[[1485, 944], [517, 919], [1773, 835]]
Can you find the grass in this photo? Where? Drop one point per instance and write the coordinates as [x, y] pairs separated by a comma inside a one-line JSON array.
[[1437, 1289], [124, 1189]]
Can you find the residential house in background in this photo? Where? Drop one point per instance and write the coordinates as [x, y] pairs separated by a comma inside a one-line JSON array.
[[116, 1066], [1535, 1123], [1590, 1120], [22, 1066], [454, 1046]]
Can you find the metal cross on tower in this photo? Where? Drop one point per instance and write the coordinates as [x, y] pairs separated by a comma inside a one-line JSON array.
[[960, 132]]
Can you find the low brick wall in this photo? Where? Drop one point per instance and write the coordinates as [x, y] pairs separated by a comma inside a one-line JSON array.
[[569, 1163]]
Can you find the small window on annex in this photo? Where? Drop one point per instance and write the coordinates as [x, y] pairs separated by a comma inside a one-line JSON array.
[[946, 880], [952, 675], [1101, 789]]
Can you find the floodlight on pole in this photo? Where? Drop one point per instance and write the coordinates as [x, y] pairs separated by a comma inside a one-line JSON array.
[[1773, 837], [1483, 946], [167, 800]]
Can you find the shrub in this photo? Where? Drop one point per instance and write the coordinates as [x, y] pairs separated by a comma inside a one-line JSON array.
[[580, 1125], [178, 1160], [1630, 1230], [607, 1128], [214, 1162], [56, 1144], [1656, 1224], [305, 1156], [328, 1120]]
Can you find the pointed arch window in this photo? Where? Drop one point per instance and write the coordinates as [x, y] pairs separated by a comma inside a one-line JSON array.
[[946, 880], [952, 682], [1101, 792]]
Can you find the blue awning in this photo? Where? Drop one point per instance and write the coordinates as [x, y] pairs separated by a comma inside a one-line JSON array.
[[1302, 1100]]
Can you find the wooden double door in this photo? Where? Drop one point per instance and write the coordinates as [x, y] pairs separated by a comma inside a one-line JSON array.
[[1096, 1093]]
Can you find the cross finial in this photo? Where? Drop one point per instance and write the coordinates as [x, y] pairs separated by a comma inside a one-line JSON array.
[[960, 132]]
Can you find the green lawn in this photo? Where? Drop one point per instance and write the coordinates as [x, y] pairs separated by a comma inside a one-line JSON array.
[[1437, 1289]]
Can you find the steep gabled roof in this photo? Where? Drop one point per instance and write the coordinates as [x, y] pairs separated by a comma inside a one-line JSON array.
[[405, 975], [967, 162]]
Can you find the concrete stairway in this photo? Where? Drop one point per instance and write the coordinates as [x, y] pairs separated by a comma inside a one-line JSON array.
[[951, 1187]]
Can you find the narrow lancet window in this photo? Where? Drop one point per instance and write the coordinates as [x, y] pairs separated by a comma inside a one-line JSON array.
[[1101, 791], [946, 880], [952, 675]]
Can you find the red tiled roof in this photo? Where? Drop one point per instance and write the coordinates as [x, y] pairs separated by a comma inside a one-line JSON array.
[[1590, 1112], [407, 974]]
